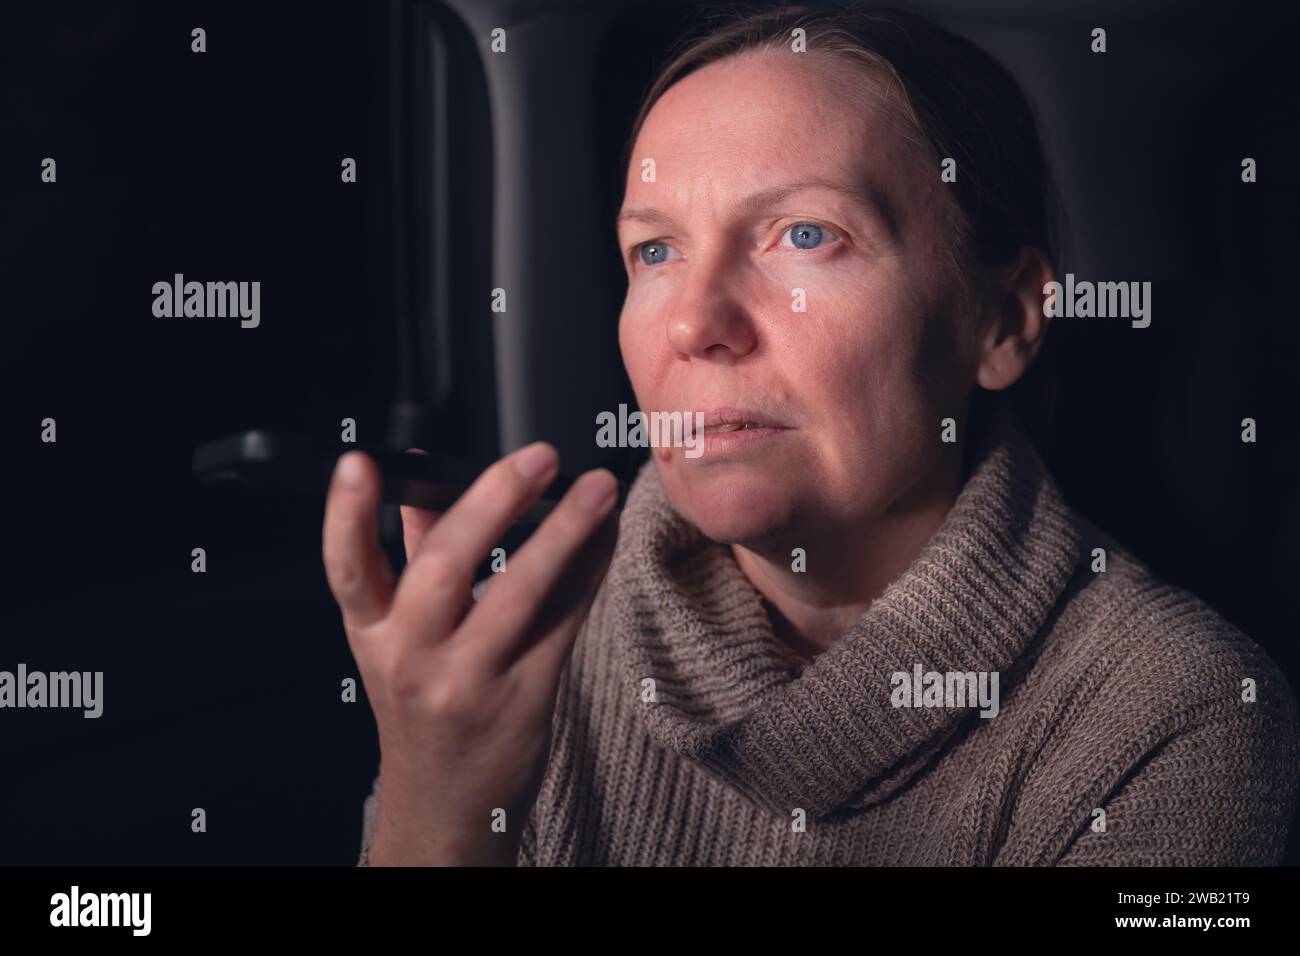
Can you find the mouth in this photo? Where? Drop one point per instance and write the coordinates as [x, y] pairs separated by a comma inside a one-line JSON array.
[[719, 420]]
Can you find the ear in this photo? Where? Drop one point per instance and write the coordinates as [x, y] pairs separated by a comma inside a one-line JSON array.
[[1019, 327]]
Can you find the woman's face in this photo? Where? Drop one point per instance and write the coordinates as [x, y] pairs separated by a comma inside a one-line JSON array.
[[861, 378]]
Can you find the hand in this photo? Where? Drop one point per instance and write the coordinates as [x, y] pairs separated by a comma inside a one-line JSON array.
[[464, 693]]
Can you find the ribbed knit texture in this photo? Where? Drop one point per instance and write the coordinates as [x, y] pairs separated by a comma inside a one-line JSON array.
[[1117, 693]]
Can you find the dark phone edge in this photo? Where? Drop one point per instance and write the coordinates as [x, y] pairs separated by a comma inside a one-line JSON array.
[[261, 460]]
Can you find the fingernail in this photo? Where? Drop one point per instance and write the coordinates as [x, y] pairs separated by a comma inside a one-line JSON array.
[[350, 473], [534, 460], [597, 490]]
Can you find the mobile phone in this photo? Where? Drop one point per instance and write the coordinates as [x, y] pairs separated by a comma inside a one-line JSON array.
[[261, 460]]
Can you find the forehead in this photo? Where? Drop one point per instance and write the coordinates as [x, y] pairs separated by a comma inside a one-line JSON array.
[[773, 116]]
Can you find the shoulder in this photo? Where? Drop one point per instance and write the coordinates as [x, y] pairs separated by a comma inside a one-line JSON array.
[[1156, 710], [1147, 704], [1154, 649]]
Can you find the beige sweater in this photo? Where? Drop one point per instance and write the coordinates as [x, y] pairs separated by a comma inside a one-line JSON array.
[[1125, 730]]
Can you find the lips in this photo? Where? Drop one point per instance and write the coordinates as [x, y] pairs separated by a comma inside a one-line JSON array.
[[731, 419]]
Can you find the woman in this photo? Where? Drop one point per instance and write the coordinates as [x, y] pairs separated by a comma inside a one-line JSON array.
[[863, 627]]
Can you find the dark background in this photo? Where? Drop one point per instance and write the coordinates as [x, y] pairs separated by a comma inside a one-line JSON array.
[[222, 690]]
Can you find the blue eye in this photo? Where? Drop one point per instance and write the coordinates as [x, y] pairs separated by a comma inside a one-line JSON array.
[[655, 257], [805, 235]]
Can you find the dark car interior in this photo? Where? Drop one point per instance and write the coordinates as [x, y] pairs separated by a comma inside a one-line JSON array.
[[479, 170]]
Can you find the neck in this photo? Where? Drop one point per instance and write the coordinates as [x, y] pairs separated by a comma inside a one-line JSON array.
[[848, 566]]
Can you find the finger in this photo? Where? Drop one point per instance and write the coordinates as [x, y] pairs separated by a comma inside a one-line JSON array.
[[541, 659], [436, 584], [355, 565], [512, 608], [416, 521]]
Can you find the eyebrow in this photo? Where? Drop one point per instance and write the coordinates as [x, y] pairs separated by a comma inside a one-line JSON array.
[[870, 198]]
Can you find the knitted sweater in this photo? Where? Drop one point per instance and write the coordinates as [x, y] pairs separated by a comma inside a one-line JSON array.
[[1125, 730]]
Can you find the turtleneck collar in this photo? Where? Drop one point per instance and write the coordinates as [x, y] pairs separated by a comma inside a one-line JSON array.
[[824, 736]]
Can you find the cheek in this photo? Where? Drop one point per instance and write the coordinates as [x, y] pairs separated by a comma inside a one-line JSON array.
[[856, 344], [643, 335], [867, 367], [632, 344]]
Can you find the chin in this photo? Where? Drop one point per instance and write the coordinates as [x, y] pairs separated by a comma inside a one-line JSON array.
[[731, 509]]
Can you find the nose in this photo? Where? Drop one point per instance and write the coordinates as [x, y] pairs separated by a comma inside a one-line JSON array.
[[707, 322]]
